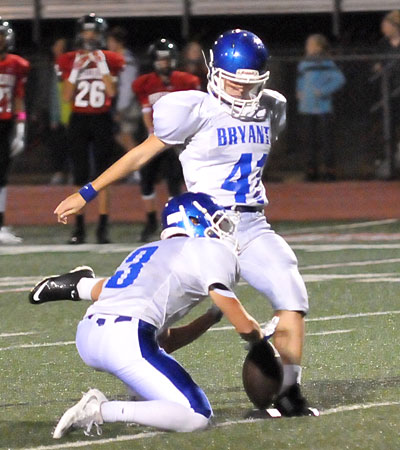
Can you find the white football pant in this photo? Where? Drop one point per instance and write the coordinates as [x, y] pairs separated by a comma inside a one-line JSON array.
[[127, 348], [269, 265]]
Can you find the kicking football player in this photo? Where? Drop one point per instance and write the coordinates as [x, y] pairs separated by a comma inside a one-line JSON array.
[[13, 73], [226, 135], [155, 285], [88, 75], [149, 88]]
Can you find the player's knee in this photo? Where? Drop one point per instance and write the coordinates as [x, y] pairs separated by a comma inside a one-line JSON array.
[[194, 422]]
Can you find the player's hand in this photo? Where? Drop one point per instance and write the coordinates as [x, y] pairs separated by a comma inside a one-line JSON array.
[[81, 61], [99, 58], [97, 55], [71, 205], [215, 313]]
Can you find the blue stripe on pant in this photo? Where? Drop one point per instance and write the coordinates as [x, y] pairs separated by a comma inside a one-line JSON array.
[[167, 365]]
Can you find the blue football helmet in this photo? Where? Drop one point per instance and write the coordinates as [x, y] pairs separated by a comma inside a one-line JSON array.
[[241, 57], [197, 215]]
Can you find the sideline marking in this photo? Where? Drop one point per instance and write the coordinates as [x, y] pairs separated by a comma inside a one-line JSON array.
[[147, 435], [343, 226]]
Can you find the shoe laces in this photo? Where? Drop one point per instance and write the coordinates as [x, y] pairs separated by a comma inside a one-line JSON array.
[[87, 430]]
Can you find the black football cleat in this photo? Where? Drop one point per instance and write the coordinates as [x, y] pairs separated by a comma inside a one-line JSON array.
[[292, 403], [102, 236], [60, 287], [78, 237]]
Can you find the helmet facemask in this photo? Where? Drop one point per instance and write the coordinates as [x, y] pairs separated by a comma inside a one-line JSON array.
[[240, 107]]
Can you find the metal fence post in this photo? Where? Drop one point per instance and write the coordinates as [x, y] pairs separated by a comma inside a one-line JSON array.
[[387, 121]]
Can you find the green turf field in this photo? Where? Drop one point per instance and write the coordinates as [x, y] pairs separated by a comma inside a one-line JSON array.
[[351, 363]]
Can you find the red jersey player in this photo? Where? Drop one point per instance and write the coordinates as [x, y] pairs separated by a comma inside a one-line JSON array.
[[13, 73], [148, 89], [89, 83]]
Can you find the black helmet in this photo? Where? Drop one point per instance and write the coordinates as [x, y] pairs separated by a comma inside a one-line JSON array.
[[160, 50], [8, 32], [91, 22]]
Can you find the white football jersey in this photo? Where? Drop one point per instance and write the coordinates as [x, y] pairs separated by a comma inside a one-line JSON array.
[[222, 156], [162, 281]]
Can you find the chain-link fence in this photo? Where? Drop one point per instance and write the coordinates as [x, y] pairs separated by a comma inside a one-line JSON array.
[[364, 124]]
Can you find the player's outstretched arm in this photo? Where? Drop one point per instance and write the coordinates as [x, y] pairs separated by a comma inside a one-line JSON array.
[[133, 160], [244, 323]]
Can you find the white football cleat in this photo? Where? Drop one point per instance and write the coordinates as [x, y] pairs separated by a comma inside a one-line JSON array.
[[84, 414], [8, 237]]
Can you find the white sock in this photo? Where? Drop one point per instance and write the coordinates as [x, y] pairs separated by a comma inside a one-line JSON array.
[[85, 286], [3, 198], [291, 376], [162, 414]]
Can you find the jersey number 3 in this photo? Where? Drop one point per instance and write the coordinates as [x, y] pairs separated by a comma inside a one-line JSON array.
[[123, 278]]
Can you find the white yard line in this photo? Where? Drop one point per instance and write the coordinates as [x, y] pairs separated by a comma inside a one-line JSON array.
[[325, 333], [370, 262], [22, 289], [312, 277], [346, 408], [46, 344], [148, 435], [314, 248], [352, 316], [13, 250], [326, 318], [345, 226], [229, 327], [24, 333], [62, 343]]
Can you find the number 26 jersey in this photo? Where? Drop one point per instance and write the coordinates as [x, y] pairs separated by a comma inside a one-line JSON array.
[[222, 156], [90, 93]]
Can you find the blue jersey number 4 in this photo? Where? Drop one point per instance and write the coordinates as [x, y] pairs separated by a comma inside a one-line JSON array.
[[241, 185], [123, 278]]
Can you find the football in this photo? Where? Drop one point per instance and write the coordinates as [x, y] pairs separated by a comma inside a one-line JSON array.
[[262, 374]]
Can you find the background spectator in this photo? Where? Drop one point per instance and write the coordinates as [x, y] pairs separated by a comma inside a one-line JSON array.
[[318, 78], [193, 62], [127, 115], [59, 113]]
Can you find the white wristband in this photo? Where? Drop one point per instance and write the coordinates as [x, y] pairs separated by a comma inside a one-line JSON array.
[[20, 130], [103, 67], [73, 76]]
